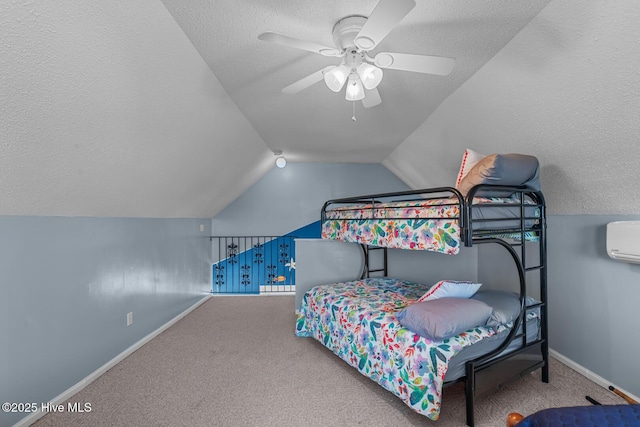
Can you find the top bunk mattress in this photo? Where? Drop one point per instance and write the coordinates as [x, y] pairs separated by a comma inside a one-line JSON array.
[[432, 224]]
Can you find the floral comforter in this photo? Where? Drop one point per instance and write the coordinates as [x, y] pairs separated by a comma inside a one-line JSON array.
[[356, 320], [430, 225], [427, 225]]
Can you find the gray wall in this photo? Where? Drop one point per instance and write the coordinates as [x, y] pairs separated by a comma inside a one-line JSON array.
[[496, 270], [593, 300], [287, 199], [319, 262], [67, 284], [431, 267], [325, 261], [593, 312]]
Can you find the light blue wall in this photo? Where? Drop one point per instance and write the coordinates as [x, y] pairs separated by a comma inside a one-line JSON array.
[[319, 262], [593, 300], [67, 284], [328, 261], [290, 198]]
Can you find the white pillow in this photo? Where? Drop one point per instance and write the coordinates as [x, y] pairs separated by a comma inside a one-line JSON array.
[[450, 288], [469, 160]]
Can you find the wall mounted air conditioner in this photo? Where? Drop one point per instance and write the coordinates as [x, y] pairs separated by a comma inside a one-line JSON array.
[[623, 241]]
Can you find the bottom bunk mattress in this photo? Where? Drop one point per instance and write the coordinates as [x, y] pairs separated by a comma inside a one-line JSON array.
[[357, 321]]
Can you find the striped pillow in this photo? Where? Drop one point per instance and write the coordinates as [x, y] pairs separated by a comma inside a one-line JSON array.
[[451, 288], [469, 160]]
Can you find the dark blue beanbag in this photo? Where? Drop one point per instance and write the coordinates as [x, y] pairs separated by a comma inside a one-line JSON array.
[[585, 416]]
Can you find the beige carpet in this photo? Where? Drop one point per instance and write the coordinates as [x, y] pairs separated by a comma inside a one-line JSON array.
[[234, 361]]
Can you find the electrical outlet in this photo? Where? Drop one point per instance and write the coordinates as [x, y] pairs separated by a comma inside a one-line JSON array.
[[130, 318]]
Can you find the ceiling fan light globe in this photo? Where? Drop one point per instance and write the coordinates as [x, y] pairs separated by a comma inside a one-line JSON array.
[[370, 75], [355, 89], [336, 77]]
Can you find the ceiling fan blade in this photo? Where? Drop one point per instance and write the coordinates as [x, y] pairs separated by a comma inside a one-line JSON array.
[[416, 63], [385, 16], [299, 44], [372, 98], [305, 82]]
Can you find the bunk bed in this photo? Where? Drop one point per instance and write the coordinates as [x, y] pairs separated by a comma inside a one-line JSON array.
[[360, 320]]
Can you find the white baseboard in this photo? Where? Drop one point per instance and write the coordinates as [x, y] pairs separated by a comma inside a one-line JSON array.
[[59, 399], [263, 292], [588, 374], [277, 288], [278, 294]]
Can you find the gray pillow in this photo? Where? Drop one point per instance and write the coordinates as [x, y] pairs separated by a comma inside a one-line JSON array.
[[506, 306], [502, 169], [444, 317]]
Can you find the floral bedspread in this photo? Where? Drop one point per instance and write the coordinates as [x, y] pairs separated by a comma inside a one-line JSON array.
[[405, 225], [428, 225], [356, 320]]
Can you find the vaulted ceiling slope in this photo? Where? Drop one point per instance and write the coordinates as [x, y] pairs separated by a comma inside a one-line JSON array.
[[172, 109], [566, 89], [315, 124], [106, 109]]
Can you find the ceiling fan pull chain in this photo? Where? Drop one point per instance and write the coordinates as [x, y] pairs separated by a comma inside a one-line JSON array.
[[353, 116]]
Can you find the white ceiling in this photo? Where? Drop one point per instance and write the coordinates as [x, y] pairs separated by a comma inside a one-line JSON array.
[[315, 124], [567, 90], [171, 109], [106, 109]]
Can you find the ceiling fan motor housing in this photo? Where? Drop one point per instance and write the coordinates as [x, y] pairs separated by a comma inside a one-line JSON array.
[[346, 29]]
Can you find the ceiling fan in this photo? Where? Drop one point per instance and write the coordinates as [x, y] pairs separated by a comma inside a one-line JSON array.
[[354, 37]]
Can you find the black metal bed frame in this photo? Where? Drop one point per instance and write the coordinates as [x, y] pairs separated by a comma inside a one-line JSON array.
[[492, 370]]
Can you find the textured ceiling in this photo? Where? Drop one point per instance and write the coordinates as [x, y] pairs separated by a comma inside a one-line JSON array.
[[567, 90], [315, 124], [106, 109], [170, 109]]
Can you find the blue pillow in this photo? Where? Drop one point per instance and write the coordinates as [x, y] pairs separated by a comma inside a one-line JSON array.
[[444, 317], [502, 169], [505, 304]]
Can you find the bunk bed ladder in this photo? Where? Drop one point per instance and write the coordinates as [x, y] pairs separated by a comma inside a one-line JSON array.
[[480, 372], [366, 268]]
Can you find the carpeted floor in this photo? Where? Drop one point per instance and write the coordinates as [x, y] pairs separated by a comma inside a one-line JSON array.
[[234, 361]]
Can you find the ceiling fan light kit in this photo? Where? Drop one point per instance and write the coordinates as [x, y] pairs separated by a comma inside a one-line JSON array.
[[354, 36], [336, 77], [370, 75], [355, 90], [359, 73]]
